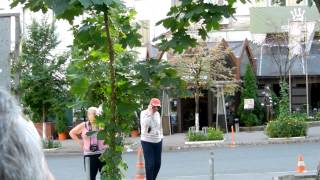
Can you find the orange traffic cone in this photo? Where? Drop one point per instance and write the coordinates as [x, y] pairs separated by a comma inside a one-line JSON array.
[[140, 175], [301, 167]]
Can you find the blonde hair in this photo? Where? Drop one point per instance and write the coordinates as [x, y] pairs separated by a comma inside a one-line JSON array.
[[92, 109]]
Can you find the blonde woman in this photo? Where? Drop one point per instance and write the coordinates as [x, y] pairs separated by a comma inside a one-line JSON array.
[[91, 146]]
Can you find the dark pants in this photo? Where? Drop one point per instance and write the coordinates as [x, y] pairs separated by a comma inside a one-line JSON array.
[[92, 164], [152, 156]]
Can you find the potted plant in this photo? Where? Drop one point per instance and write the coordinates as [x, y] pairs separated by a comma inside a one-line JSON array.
[[61, 127]]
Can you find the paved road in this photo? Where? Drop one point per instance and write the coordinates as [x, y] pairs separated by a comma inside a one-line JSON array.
[[241, 163]]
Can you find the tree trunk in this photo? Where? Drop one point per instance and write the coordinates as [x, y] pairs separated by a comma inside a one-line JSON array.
[[196, 96], [44, 137], [113, 96]]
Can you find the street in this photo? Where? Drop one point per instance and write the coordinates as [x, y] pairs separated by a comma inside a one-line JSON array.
[[242, 163]]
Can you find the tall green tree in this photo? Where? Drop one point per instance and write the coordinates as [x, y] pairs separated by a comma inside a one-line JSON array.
[[250, 91], [42, 86]]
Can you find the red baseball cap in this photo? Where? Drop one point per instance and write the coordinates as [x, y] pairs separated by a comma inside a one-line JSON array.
[[155, 102]]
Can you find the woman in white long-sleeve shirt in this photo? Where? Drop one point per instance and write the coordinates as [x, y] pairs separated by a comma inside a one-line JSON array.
[[151, 138]]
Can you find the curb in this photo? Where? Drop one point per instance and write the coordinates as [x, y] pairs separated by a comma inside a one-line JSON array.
[[203, 142], [202, 146], [50, 150], [261, 128], [199, 146]]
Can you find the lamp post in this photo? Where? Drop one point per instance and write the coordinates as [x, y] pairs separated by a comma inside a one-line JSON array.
[[267, 103], [301, 33]]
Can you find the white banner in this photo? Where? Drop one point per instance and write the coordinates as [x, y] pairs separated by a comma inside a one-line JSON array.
[[300, 32]]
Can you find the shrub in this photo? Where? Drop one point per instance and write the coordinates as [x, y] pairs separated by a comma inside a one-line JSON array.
[[288, 126], [50, 144], [215, 134], [249, 119], [317, 116], [250, 91], [61, 124], [197, 136], [300, 116], [211, 135]]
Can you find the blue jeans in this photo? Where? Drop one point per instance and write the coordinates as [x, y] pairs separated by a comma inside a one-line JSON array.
[[152, 156]]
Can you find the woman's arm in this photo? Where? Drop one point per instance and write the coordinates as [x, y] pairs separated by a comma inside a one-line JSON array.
[[75, 132], [144, 121]]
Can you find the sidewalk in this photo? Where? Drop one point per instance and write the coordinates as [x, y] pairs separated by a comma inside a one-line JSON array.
[[177, 141]]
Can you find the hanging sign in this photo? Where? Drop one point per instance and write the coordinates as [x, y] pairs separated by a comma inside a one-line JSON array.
[[248, 104]]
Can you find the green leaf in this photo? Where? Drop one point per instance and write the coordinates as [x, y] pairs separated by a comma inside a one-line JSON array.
[[126, 108], [203, 33], [86, 3], [80, 85], [195, 11], [101, 135], [91, 133]]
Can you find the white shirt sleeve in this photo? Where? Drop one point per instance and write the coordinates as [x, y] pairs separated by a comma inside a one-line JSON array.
[[145, 119]]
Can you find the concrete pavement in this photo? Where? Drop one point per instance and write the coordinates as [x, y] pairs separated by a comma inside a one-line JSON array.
[[177, 141]]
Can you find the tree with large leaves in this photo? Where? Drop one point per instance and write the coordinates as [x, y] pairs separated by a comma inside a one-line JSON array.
[[202, 15]]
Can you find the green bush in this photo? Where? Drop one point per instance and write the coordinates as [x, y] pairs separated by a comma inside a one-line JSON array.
[[50, 144], [214, 134], [250, 91], [300, 116], [211, 135], [61, 124], [249, 119], [288, 126], [199, 136], [317, 116]]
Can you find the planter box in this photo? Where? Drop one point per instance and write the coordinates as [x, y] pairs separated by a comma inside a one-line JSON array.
[[204, 142], [313, 123], [288, 139], [50, 150], [296, 177], [253, 128], [49, 129]]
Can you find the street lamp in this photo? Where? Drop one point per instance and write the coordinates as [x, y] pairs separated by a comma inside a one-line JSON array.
[[267, 102]]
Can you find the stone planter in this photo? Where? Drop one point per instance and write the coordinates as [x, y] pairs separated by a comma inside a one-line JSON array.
[[288, 139], [49, 129], [296, 177], [251, 129], [203, 142]]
